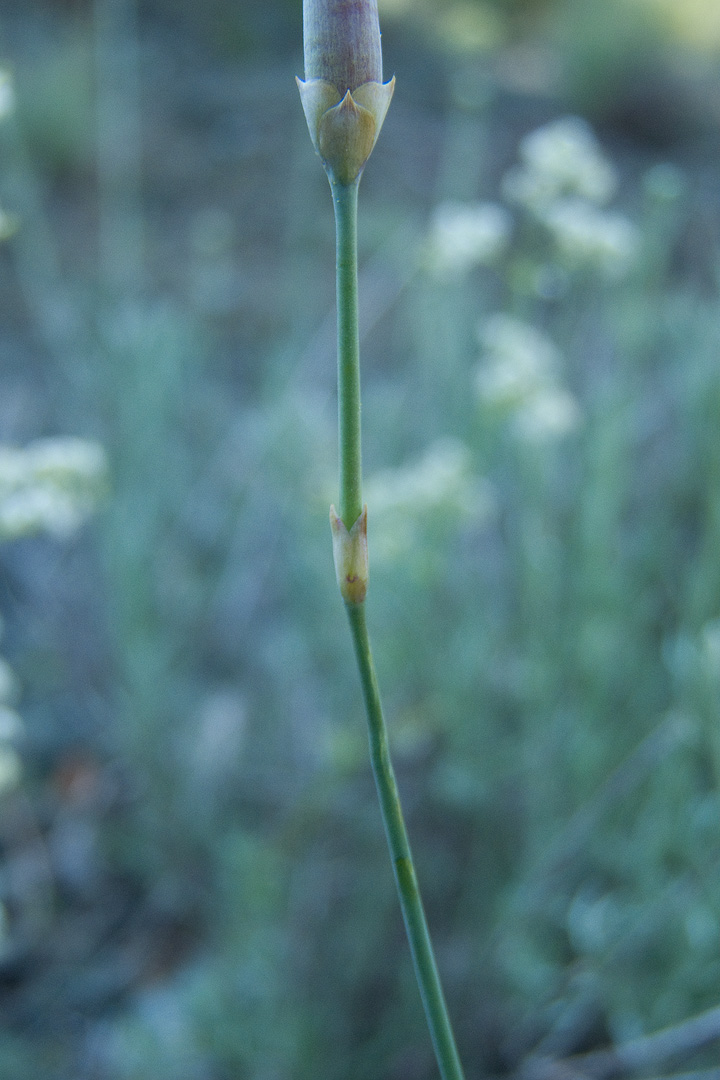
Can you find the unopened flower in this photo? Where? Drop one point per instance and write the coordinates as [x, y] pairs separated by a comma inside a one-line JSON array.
[[341, 42], [464, 235], [343, 95]]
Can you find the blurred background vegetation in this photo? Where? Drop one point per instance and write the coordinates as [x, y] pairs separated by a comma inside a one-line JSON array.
[[193, 877]]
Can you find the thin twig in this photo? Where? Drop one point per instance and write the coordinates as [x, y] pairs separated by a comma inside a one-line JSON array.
[[638, 1055]]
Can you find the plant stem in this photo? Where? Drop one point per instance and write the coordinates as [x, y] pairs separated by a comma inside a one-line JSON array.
[[345, 200], [345, 203], [408, 890]]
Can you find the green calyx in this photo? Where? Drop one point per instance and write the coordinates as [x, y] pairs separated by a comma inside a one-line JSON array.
[[344, 128]]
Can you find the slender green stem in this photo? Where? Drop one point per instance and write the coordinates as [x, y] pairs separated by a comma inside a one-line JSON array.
[[345, 202], [345, 199], [402, 860]]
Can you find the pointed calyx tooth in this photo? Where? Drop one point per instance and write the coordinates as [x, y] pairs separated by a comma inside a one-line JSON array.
[[346, 136], [350, 553], [376, 98], [342, 42]]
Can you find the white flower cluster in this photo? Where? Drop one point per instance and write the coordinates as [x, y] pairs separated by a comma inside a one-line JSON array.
[[465, 235], [519, 375], [561, 158], [563, 180], [51, 486], [586, 236], [401, 499]]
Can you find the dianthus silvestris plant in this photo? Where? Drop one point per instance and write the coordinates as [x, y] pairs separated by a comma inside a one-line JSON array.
[[345, 102]]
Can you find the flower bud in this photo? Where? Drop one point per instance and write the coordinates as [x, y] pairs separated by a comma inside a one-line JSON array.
[[350, 554], [341, 39], [343, 96]]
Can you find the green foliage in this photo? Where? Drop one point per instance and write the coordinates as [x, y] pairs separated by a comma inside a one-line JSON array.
[[55, 100]]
